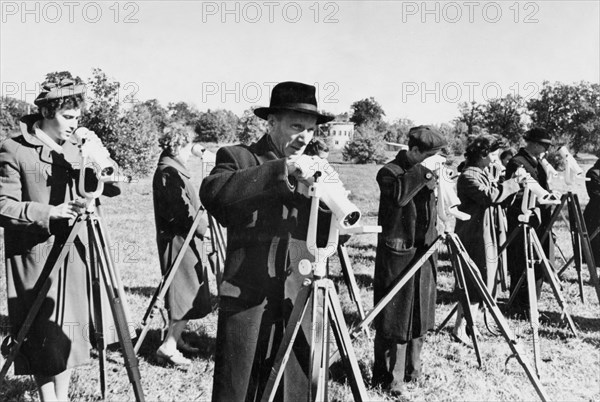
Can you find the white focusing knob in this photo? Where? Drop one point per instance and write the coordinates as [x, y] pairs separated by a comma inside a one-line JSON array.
[[304, 267]]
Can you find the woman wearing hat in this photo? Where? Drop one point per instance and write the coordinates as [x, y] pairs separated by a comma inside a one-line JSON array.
[[176, 203], [479, 194], [38, 201]]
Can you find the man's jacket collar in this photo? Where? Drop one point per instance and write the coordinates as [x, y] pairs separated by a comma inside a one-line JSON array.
[[264, 148], [174, 162], [402, 160], [529, 156]]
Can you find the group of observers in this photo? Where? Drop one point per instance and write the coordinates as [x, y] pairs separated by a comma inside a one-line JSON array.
[[253, 191]]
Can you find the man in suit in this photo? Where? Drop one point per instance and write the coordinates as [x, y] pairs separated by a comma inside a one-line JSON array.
[[252, 192], [407, 215], [538, 142]]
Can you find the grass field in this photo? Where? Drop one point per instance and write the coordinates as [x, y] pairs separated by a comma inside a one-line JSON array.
[[570, 366]]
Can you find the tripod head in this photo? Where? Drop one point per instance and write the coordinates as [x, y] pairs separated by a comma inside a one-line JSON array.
[[447, 199], [94, 156], [533, 194], [345, 220]]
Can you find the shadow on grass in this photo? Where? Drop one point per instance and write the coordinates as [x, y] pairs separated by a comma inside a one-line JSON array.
[[340, 374], [363, 280], [583, 324], [14, 388], [146, 291], [445, 297], [363, 247]]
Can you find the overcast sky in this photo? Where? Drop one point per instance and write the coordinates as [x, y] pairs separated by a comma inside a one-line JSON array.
[[417, 59]]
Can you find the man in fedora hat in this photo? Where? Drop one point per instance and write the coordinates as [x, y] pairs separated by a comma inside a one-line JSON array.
[[537, 142], [251, 191]]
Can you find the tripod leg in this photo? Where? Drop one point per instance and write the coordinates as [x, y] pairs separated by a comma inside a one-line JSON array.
[[285, 348], [532, 294], [448, 317], [318, 336], [520, 283], [350, 279], [396, 288], [42, 287], [118, 311], [551, 275], [344, 344], [165, 282], [459, 256], [98, 321], [509, 337], [575, 232]]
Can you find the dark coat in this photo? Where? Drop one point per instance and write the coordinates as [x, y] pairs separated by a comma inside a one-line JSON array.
[[538, 220], [532, 166], [249, 193], [592, 209], [33, 179], [176, 203], [479, 196], [407, 214]]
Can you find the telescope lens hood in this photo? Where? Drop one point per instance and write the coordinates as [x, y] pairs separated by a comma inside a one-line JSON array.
[[351, 218]]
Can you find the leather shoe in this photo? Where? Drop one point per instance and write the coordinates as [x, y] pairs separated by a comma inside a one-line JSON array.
[[172, 357], [186, 348]]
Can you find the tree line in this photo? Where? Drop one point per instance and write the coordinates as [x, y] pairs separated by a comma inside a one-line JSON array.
[[571, 113]]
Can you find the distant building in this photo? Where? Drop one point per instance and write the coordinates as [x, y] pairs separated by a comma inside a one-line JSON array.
[[339, 133]]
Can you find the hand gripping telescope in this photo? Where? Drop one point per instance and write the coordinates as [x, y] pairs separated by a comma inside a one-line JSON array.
[[94, 156], [447, 199]]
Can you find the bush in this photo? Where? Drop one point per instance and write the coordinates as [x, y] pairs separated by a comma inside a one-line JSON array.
[[365, 149]]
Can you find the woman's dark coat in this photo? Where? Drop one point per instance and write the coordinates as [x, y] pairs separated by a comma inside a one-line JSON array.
[[478, 196], [176, 203], [407, 214], [33, 179]]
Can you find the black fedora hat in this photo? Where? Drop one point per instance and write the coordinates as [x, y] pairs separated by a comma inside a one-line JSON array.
[[294, 96], [538, 134]]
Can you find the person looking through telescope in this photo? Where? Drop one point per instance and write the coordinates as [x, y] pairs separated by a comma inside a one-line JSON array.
[[478, 193], [252, 192], [176, 203], [407, 215], [538, 142], [38, 201]]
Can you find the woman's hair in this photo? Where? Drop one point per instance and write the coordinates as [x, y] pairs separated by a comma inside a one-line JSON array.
[[67, 102], [480, 146], [315, 147], [174, 135]]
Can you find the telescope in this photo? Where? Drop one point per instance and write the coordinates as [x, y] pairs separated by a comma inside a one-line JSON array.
[[572, 169], [94, 156], [447, 199], [551, 173], [332, 192]]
